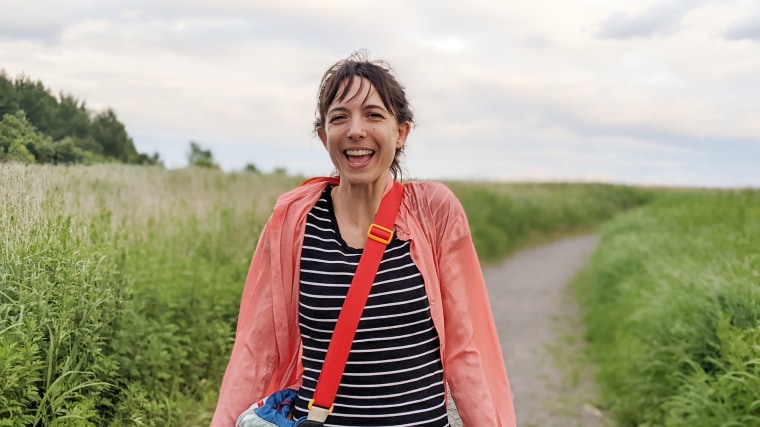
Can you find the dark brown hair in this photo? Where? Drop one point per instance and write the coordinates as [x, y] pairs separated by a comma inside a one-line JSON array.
[[380, 75]]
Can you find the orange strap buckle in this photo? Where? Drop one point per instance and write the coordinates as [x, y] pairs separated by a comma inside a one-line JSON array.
[[380, 234]]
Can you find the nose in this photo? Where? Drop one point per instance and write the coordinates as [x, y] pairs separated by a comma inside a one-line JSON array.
[[356, 129]]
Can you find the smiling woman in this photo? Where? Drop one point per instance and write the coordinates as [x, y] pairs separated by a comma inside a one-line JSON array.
[[426, 327], [363, 138], [373, 80]]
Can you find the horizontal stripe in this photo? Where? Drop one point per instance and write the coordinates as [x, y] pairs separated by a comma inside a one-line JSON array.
[[394, 372], [376, 386], [386, 349], [383, 328], [400, 359]]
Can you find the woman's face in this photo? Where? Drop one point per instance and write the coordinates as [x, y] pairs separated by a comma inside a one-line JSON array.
[[361, 135]]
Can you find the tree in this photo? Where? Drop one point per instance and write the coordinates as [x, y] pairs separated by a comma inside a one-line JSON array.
[[71, 119], [17, 152], [250, 167], [67, 152], [19, 140], [110, 133], [37, 102], [60, 129], [200, 157], [44, 151], [8, 101], [154, 159]]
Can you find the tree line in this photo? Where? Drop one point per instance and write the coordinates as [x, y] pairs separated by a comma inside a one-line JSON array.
[[39, 127]]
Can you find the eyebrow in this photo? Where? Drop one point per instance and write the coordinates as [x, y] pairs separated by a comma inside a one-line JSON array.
[[371, 106], [364, 107], [334, 109]]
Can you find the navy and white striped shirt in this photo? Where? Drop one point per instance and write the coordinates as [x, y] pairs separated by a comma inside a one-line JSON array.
[[394, 373]]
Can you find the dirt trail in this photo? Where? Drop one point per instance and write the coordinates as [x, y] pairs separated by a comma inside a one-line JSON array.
[[541, 335]]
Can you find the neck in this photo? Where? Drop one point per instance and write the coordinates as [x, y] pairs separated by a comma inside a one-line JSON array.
[[359, 203]]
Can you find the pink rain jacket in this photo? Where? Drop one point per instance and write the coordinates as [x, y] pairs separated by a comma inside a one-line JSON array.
[[266, 356]]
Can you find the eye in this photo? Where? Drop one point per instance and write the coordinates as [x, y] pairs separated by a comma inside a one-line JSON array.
[[336, 118], [375, 115]]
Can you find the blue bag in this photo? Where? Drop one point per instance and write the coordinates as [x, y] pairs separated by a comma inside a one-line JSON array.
[[272, 411]]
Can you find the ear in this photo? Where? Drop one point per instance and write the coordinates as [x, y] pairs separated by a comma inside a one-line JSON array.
[[322, 136], [403, 133]]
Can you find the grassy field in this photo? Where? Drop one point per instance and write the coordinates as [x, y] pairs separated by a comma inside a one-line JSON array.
[[673, 300], [506, 217], [119, 286], [118, 289]]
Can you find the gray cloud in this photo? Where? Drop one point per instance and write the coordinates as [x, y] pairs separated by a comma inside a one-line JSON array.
[[186, 24], [20, 25], [46, 21], [661, 17], [41, 32], [748, 29], [302, 23], [534, 113]]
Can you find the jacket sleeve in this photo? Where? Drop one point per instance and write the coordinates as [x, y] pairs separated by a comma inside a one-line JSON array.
[[473, 360], [254, 354]]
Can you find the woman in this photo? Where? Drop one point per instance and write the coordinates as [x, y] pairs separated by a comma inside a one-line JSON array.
[[427, 325]]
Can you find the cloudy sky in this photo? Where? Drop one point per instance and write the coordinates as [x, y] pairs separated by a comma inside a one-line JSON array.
[[646, 92]]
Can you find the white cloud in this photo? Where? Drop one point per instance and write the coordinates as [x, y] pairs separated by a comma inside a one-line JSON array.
[[507, 90]]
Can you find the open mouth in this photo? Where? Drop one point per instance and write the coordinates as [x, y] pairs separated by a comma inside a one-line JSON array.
[[359, 157]]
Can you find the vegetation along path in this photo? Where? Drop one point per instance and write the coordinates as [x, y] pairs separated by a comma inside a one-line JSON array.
[[539, 325]]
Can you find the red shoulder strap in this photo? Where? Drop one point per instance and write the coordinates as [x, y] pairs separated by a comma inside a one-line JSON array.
[[379, 235]]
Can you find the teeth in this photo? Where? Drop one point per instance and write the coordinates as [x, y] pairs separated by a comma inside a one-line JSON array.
[[359, 152]]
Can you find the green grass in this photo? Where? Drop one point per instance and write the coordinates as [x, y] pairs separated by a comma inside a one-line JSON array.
[[507, 217], [673, 311], [119, 285], [119, 288]]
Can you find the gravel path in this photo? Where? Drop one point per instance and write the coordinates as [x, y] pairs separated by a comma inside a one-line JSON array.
[[541, 335]]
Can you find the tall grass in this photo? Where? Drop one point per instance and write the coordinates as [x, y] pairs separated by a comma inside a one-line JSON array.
[[673, 299], [120, 286], [505, 217], [119, 289]]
